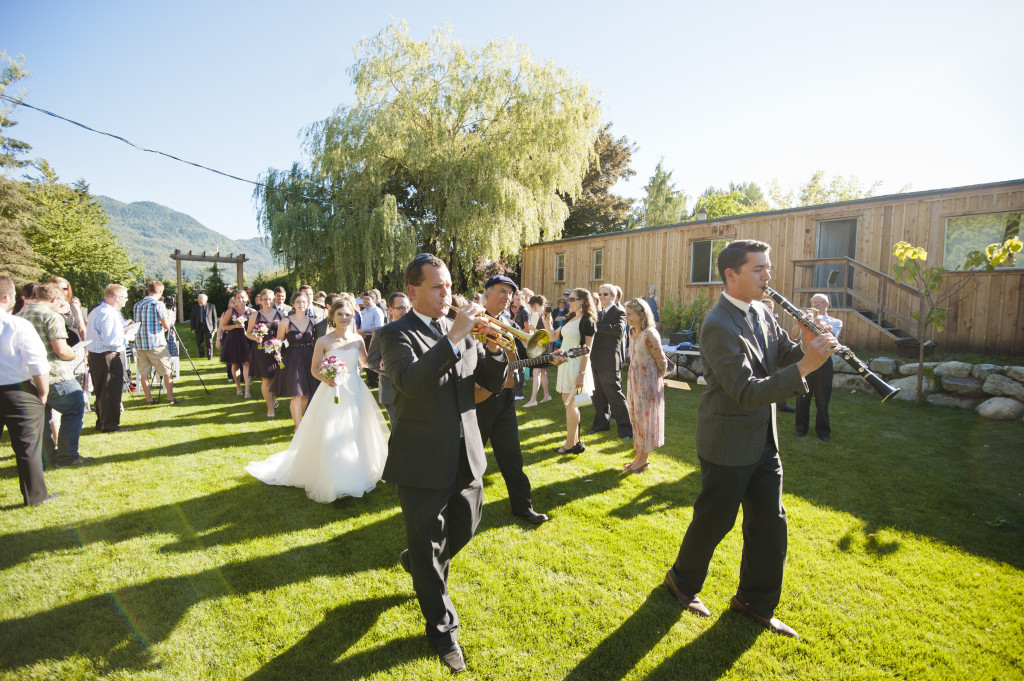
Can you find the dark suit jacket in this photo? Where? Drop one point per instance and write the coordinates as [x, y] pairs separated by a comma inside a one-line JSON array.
[[203, 316], [434, 395], [609, 340], [738, 407], [385, 391]]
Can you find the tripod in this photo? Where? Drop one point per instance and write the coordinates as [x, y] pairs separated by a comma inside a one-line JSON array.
[[181, 347]]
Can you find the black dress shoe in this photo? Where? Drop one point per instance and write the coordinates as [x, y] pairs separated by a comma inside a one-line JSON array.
[[452, 658], [799, 434], [80, 461], [824, 438], [532, 517], [598, 430], [403, 558], [770, 623], [628, 436], [786, 408]]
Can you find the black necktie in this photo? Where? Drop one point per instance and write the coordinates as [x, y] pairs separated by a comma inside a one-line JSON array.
[[755, 321], [438, 327]]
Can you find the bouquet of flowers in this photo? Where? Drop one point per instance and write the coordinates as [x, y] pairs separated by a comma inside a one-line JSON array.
[[240, 319], [332, 367], [271, 346], [260, 331]]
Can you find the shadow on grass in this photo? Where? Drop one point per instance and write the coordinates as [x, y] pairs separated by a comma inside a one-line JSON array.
[[317, 655], [708, 656]]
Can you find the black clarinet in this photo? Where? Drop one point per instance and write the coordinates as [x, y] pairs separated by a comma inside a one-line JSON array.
[[883, 388]]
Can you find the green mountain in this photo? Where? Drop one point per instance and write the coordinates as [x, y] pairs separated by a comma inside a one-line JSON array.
[[151, 232]]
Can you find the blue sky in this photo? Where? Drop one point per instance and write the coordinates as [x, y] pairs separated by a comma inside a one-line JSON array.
[[925, 93]]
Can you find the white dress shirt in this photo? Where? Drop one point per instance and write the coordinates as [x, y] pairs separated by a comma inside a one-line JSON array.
[[22, 353]]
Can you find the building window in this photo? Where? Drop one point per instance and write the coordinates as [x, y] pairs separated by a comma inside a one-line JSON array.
[[704, 261], [598, 265], [559, 266], [975, 232]]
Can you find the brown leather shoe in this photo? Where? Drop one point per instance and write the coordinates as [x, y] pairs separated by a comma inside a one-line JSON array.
[[691, 603], [773, 624]]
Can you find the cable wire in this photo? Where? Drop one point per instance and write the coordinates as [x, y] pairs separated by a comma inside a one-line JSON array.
[[18, 102]]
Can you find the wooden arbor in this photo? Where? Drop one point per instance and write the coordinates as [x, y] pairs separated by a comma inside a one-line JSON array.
[[178, 257]]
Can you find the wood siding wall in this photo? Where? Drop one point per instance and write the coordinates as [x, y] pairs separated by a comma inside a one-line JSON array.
[[988, 317]]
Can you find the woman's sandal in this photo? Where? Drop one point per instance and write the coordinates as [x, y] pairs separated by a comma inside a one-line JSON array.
[[639, 469]]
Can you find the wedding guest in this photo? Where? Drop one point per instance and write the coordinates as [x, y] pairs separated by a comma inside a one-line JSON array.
[[540, 320], [65, 393], [264, 365], [74, 321], [24, 387], [235, 349], [280, 295], [26, 294], [151, 341], [781, 405], [314, 313], [608, 353], [203, 322], [105, 328], [575, 376], [652, 302], [819, 381], [398, 307], [372, 319], [296, 379], [645, 396], [340, 447]]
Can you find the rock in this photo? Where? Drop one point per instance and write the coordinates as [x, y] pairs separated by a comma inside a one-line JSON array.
[[983, 371], [883, 366], [684, 374], [701, 381], [841, 366], [956, 369], [911, 369], [908, 388], [943, 400], [1001, 408], [1003, 386], [697, 367], [965, 387], [850, 382], [1016, 373]]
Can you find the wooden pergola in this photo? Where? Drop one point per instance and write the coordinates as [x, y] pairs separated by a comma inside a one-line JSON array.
[[178, 257]]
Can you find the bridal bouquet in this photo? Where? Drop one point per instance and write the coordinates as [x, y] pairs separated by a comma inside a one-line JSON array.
[[240, 319], [332, 367], [272, 346]]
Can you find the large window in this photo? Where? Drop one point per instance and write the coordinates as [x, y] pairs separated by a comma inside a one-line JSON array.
[[704, 261], [559, 266], [975, 232], [598, 265]]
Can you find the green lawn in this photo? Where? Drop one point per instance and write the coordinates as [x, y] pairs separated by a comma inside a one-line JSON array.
[[165, 560]]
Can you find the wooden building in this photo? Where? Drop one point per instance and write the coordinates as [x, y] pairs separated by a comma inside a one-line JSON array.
[[843, 249]]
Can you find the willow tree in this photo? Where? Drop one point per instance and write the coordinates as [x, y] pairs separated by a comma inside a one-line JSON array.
[[460, 152]]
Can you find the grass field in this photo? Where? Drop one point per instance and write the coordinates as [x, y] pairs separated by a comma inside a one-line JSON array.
[[165, 560]]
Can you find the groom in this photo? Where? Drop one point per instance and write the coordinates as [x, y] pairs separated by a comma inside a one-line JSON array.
[[435, 454]]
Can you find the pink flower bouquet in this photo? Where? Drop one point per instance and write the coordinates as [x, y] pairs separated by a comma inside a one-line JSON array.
[[331, 368], [273, 346]]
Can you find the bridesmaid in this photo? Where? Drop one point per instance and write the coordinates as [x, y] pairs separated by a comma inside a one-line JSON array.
[[264, 365], [575, 376], [645, 390], [296, 379], [235, 349]]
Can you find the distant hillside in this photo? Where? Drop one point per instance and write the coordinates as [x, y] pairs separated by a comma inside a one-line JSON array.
[[151, 232]]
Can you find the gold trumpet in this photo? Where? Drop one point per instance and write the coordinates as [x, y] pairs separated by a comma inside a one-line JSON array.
[[536, 343]]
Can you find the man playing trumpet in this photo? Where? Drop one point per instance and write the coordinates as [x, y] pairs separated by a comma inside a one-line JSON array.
[[435, 454]]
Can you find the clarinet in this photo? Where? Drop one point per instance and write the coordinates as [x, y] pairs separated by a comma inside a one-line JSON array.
[[880, 386]]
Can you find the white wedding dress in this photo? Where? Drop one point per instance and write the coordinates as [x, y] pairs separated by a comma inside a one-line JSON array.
[[338, 449]]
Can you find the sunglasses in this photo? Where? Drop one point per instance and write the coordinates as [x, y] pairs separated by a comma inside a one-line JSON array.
[[573, 299]]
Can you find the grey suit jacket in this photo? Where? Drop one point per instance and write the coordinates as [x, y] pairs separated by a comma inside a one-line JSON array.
[[385, 391], [434, 403], [738, 408]]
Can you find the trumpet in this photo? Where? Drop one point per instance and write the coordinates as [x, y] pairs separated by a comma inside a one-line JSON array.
[[504, 335]]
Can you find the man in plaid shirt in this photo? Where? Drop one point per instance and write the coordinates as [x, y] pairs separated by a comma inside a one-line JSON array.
[[151, 343]]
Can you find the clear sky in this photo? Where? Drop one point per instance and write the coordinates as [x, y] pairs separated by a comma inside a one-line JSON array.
[[925, 92]]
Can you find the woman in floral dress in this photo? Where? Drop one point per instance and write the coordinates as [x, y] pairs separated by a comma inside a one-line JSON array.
[[645, 390]]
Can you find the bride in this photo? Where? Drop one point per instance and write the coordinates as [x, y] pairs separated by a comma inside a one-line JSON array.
[[339, 449]]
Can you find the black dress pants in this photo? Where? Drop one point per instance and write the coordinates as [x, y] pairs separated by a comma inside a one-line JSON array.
[[497, 419], [204, 342], [21, 413], [819, 384], [758, 489], [609, 401], [438, 523], [107, 372]]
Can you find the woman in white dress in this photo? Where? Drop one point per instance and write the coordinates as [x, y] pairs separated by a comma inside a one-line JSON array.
[[338, 449], [575, 376]]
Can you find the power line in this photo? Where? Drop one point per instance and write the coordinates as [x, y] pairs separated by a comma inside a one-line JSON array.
[[18, 102]]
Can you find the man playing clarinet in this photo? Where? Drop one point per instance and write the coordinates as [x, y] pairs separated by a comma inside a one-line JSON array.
[[751, 364]]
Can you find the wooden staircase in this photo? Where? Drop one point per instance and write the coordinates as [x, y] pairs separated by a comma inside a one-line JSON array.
[[878, 298]]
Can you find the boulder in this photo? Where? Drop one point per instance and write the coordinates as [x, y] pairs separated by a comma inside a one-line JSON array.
[[1001, 408], [911, 369], [983, 371], [1016, 373], [684, 374], [965, 387], [841, 366], [697, 366], [850, 382], [883, 366], [943, 400], [956, 369], [908, 388], [1003, 386]]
